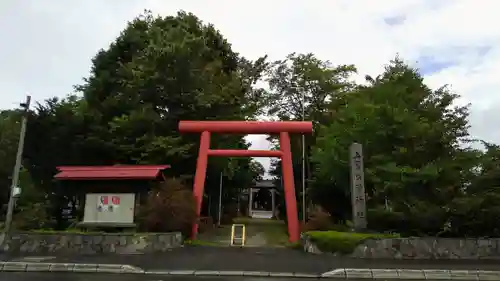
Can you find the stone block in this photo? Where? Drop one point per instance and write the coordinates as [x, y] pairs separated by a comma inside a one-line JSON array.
[[76, 240], [38, 266], [109, 268], [256, 273], [336, 273], [84, 267], [420, 248], [231, 273], [181, 272], [131, 269], [62, 267], [431, 274], [385, 274], [15, 266], [414, 274], [306, 275], [488, 275], [279, 274], [123, 240], [358, 273], [97, 239], [463, 274], [69, 243], [206, 273]]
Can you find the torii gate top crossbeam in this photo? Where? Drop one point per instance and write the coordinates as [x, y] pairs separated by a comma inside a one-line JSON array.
[[246, 127]]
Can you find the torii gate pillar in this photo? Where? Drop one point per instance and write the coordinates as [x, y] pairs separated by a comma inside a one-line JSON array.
[[248, 127]]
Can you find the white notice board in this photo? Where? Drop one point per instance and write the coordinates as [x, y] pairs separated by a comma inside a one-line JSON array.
[[109, 208]]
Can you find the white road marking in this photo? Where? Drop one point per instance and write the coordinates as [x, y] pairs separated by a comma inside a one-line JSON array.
[[36, 259]]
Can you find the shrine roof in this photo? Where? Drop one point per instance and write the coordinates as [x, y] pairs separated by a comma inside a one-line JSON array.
[[117, 172], [264, 184]]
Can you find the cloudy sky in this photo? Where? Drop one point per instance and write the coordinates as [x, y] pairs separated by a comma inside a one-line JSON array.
[[47, 45]]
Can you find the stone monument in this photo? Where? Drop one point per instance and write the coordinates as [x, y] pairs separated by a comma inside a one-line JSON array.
[[358, 200]]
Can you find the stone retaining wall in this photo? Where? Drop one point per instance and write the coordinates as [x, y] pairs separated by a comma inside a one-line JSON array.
[[420, 248], [96, 243]]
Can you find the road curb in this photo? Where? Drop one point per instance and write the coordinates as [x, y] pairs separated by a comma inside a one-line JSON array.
[[340, 273], [412, 274], [68, 267]]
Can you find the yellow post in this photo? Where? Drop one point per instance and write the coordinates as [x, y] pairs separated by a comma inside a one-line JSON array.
[[233, 234]]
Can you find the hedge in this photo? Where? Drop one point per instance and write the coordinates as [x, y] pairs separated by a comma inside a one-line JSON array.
[[342, 242]]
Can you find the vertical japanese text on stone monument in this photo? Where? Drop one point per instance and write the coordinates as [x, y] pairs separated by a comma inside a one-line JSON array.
[[358, 199]]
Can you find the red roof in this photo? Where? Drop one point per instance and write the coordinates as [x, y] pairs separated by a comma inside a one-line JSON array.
[[118, 172]]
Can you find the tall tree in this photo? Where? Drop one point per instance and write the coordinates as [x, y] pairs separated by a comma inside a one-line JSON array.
[[411, 137], [304, 81], [302, 87], [160, 70]]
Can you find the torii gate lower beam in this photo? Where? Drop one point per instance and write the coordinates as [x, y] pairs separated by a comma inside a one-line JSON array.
[[248, 127]]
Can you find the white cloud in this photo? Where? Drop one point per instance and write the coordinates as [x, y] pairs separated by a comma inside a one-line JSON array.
[[47, 48]]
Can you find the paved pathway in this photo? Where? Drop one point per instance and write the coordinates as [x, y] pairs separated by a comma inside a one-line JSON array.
[[257, 240], [218, 236], [260, 233], [222, 237], [259, 259]]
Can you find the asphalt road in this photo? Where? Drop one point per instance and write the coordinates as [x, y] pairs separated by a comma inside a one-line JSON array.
[[248, 259], [257, 259]]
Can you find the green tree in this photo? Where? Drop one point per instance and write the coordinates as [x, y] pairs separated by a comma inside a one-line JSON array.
[[159, 70], [32, 207], [303, 87], [487, 172], [59, 132], [10, 125], [411, 137], [474, 213], [304, 81]]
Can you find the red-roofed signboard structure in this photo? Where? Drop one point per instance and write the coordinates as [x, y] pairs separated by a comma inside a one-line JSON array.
[[110, 194], [118, 172]]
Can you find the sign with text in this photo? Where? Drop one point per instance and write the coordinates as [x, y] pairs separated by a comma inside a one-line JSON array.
[[109, 208], [358, 200], [108, 203]]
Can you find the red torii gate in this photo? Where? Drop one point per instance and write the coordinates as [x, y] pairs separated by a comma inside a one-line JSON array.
[[248, 127]]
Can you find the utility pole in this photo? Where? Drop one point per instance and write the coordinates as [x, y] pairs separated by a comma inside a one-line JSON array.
[[14, 188], [303, 163]]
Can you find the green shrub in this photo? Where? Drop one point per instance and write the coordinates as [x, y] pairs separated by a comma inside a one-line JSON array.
[[319, 220], [419, 219], [170, 207], [382, 220], [342, 242], [32, 216], [474, 216]]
